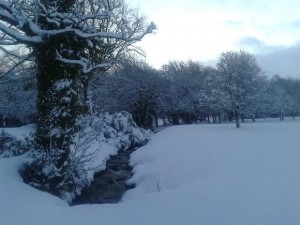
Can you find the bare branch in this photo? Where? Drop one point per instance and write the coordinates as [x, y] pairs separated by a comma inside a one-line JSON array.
[[16, 65]]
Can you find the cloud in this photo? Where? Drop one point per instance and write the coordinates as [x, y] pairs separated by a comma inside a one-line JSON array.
[[233, 23], [295, 24], [274, 60], [250, 42], [283, 61], [202, 30], [255, 45]]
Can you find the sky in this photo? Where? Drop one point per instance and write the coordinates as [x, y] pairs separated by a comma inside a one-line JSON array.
[[201, 30]]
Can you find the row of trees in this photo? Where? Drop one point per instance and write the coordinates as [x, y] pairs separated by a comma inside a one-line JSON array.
[[188, 92], [180, 92]]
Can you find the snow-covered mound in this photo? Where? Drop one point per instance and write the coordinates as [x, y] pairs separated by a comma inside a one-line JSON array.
[[11, 146], [193, 175], [15, 141], [99, 137], [20, 133]]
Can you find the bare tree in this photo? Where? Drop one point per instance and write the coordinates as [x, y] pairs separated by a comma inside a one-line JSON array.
[[280, 101], [133, 86], [239, 77], [186, 98]]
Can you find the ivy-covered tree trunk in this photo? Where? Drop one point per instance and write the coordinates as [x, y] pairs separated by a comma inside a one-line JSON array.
[[58, 103]]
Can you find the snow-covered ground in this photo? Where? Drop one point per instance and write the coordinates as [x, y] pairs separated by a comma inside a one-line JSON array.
[[20, 132], [186, 175]]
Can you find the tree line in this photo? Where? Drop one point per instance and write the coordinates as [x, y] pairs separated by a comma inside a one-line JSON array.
[[189, 92], [181, 92]]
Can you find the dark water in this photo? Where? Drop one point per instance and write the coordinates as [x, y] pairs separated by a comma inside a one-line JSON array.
[[109, 185]]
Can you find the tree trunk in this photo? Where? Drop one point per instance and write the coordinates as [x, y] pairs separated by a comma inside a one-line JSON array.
[[57, 103], [214, 118], [225, 117], [208, 119], [156, 120], [281, 116], [237, 119], [86, 97], [164, 119]]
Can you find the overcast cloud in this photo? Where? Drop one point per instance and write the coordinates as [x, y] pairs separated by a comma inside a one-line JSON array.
[[281, 61], [202, 30]]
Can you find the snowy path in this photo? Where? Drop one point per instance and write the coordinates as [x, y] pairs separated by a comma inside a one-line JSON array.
[[186, 175]]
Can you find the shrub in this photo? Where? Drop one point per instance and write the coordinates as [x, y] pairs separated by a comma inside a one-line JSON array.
[[10, 146]]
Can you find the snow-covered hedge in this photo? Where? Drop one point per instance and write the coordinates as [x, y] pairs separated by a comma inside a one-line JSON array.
[[11, 146], [99, 137]]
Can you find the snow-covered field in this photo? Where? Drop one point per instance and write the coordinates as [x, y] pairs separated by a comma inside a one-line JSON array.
[[186, 175]]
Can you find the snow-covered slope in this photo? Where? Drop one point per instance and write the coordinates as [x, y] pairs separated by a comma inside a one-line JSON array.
[[197, 174]]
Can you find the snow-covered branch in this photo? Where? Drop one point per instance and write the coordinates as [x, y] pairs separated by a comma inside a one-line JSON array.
[[26, 28], [18, 36], [105, 26], [41, 32], [84, 63], [5, 16]]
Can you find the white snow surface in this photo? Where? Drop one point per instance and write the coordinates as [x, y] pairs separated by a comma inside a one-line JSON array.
[[20, 132], [186, 175]]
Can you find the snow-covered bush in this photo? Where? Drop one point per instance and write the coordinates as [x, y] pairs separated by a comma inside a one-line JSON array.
[[10, 146], [98, 138]]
